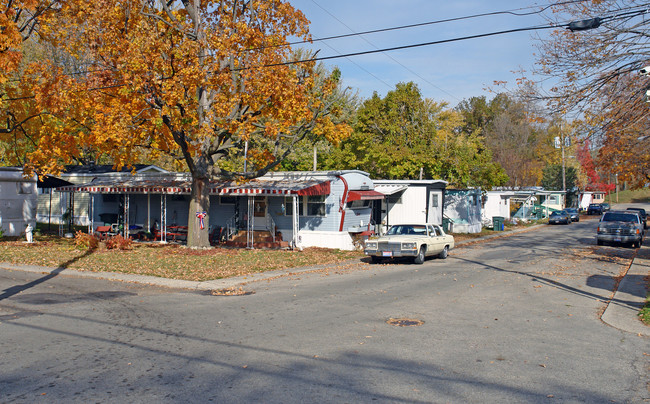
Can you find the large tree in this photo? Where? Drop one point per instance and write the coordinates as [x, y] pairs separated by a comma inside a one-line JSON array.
[[193, 80], [596, 76], [404, 135], [510, 130]]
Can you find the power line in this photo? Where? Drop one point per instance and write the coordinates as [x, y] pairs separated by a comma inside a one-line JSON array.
[[422, 24], [372, 51], [392, 58]]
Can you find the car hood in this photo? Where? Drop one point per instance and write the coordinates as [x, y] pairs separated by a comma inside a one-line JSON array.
[[618, 225], [400, 237]]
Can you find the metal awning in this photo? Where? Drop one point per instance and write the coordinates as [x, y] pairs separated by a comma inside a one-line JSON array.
[[184, 186], [364, 195], [390, 189]]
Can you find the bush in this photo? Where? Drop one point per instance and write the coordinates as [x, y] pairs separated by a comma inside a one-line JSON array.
[[85, 240], [119, 242]]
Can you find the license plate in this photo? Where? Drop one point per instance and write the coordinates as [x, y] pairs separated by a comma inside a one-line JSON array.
[[386, 253], [617, 239]]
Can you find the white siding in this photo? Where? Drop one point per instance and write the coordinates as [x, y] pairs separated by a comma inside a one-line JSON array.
[[18, 202], [411, 207]]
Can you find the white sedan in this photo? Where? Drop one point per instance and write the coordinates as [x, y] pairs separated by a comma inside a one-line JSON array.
[[410, 240]]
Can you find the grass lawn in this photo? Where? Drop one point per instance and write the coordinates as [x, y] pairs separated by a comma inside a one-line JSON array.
[[630, 196], [167, 261]]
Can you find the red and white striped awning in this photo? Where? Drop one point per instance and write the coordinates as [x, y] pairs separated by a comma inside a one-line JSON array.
[[182, 187]]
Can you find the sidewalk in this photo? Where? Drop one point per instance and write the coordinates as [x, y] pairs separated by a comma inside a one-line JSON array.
[[621, 312]]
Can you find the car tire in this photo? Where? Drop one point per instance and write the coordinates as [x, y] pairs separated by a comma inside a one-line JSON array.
[[599, 242], [443, 254], [419, 259]]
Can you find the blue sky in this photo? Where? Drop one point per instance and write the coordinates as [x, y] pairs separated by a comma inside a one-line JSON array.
[[447, 72]]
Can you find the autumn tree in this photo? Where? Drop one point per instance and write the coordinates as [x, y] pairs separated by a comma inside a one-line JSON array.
[[596, 76], [593, 180], [192, 80], [518, 142]]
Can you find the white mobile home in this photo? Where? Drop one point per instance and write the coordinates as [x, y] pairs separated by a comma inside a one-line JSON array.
[[18, 199], [409, 201]]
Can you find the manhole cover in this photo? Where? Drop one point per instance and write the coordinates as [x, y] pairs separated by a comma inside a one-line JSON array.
[[404, 322], [230, 292]]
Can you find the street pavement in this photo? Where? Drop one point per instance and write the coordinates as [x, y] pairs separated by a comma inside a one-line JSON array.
[[508, 319], [621, 312]]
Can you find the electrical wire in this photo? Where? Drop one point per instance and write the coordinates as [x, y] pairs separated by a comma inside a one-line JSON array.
[[402, 47], [387, 55]]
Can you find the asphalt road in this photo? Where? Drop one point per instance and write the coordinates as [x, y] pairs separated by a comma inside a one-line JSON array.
[[510, 320]]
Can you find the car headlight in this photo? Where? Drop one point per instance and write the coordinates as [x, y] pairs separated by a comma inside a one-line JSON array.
[[409, 246], [371, 245]]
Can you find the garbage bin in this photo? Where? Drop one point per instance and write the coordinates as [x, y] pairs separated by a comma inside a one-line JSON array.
[[497, 223], [446, 225]]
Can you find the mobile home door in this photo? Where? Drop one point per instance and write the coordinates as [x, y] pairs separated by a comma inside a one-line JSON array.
[[435, 207]]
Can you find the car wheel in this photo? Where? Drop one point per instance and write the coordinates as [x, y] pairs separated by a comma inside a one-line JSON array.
[[420, 257], [443, 254], [599, 242]]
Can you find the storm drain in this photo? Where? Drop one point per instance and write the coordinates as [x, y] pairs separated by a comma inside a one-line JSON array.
[[230, 292], [404, 322]]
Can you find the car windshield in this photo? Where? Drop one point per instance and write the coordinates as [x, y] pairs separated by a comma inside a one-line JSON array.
[[558, 213], [620, 217], [594, 205], [407, 229]]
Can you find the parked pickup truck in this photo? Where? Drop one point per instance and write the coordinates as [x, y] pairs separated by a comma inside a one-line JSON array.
[[410, 240], [620, 226]]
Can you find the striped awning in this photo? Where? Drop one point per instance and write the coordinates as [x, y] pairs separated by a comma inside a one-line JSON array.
[[180, 186]]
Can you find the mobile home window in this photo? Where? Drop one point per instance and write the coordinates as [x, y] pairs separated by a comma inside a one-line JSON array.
[[434, 200], [358, 204], [316, 205], [288, 206]]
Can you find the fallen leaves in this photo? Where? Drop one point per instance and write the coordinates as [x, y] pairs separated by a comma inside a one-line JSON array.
[[176, 262]]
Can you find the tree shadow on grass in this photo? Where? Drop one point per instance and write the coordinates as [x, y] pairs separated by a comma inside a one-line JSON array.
[[9, 292]]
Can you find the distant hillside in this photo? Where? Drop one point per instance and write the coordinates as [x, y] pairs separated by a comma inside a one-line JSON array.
[[630, 196]]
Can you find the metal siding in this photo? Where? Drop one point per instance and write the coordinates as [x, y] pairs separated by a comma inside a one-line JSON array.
[[412, 209]]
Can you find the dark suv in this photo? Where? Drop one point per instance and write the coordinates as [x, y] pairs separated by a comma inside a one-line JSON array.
[[595, 209], [643, 215], [620, 226]]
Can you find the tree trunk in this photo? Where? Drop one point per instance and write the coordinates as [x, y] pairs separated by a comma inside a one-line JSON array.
[[199, 214]]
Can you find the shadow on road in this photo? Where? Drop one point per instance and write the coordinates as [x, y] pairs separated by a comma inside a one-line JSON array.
[[7, 293]]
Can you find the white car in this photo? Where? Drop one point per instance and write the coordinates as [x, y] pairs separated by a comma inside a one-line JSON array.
[[410, 240]]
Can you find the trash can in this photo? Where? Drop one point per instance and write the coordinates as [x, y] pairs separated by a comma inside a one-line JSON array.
[[497, 223], [447, 225]]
